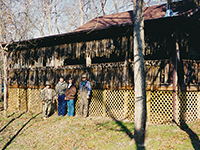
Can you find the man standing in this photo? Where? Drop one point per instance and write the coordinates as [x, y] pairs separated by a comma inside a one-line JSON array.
[[85, 91], [47, 97], [69, 96], [60, 90]]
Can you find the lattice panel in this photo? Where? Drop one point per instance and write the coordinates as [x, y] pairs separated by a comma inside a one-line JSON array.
[[34, 100], [130, 105], [23, 99], [114, 104], [96, 104], [13, 99], [161, 107], [187, 107]]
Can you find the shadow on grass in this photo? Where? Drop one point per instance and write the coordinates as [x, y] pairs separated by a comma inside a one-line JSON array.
[[11, 115], [9, 142], [128, 132], [183, 125], [11, 121], [124, 128], [193, 136]]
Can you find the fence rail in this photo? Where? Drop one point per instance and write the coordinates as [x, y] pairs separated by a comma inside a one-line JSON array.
[[119, 104]]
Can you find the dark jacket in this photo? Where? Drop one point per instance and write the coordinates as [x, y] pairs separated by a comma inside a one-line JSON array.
[[60, 88], [70, 93]]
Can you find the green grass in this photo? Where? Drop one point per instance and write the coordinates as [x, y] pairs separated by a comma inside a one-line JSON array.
[[30, 131]]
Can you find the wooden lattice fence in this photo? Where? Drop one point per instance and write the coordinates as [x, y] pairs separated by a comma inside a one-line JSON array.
[[119, 104]]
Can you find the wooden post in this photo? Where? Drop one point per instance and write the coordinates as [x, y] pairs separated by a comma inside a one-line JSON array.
[[174, 84], [88, 60], [166, 72], [126, 93], [104, 102], [87, 53], [198, 106], [125, 74], [176, 58]]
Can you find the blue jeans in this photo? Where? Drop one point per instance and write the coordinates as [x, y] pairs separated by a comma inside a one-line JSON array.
[[61, 105], [70, 105]]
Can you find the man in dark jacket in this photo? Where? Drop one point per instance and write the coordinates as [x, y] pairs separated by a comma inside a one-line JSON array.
[[60, 91], [69, 96], [85, 91]]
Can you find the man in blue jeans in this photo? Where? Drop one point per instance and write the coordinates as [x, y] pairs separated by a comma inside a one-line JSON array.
[[60, 90]]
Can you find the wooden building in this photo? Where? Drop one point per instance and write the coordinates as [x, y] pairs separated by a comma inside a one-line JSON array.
[[105, 43], [103, 48]]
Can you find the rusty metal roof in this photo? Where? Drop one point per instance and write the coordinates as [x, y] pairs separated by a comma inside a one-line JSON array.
[[150, 13]]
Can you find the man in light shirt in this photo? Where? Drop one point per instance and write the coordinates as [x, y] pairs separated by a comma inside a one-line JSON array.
[[47, 98]]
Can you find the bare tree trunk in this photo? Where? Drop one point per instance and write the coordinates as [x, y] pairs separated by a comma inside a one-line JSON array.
[[139, 74], [48, 11], [56, 18], [82, 13], [5, 81]]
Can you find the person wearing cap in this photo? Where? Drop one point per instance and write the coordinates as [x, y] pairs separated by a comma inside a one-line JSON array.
[[60, 91], [69, 96], [47, 98], [85, 91]]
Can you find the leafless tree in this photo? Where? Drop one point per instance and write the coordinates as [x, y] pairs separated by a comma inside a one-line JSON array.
[[6, 20], [43, 16], [139, 74], [13, 27], [38, 18], [82, 12]]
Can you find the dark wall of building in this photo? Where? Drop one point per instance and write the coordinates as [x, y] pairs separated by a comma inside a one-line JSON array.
[[36, 61]]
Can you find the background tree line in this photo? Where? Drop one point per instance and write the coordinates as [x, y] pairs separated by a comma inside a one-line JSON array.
[[27, 19]]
